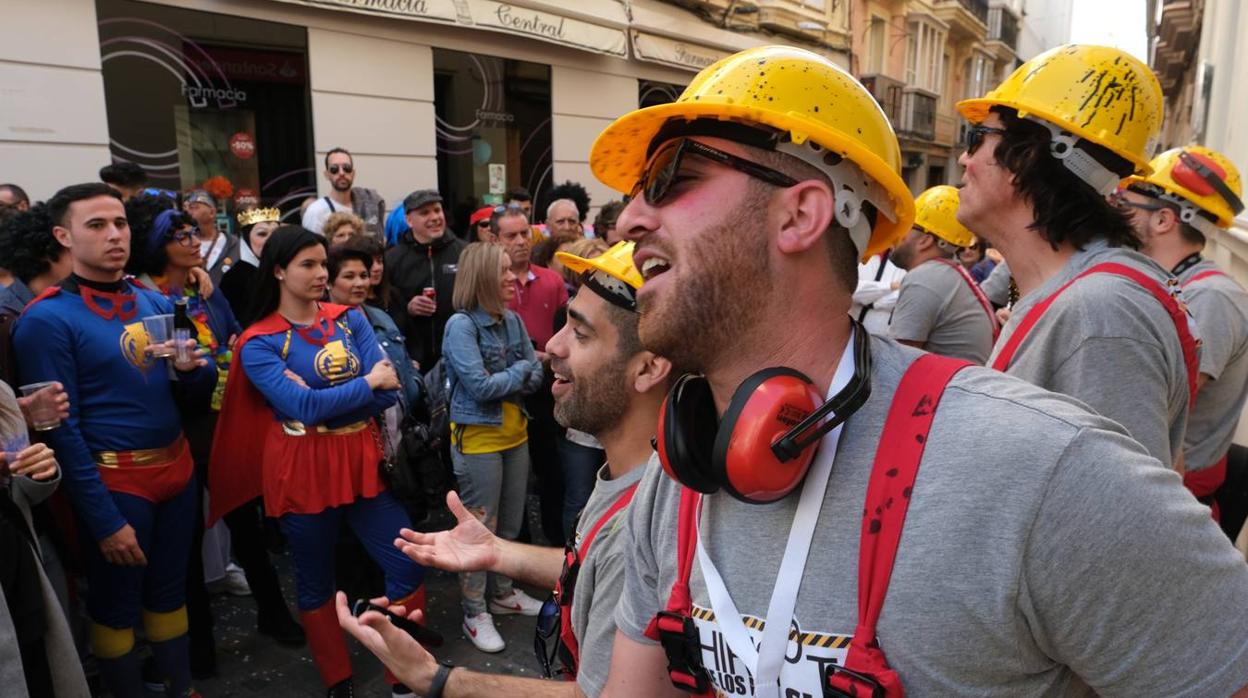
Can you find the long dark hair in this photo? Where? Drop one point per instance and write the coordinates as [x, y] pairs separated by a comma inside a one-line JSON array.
[[1067, 210], [279, 251]]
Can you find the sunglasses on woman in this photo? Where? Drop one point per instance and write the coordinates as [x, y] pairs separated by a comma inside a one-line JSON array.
[[656, 181]]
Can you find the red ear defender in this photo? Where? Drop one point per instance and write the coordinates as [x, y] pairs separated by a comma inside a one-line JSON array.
[[761, 449], [766, 407]]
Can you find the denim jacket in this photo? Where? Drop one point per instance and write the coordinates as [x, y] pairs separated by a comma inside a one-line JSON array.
[[488, 361], [395, 347]]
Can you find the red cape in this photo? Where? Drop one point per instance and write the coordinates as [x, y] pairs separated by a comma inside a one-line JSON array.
[[235, 475]]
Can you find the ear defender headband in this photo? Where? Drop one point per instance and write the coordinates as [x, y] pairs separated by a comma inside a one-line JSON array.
[[760, 450], [1202, 179]]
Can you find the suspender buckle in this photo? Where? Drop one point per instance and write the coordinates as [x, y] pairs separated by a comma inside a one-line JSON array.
[[839, 682], [683, 646]]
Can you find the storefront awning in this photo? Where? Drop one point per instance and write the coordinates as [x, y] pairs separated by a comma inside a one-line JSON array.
[[541, 24], [679, 54]]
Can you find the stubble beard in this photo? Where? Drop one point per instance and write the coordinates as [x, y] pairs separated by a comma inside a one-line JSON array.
[[717, 300], [596, 404]]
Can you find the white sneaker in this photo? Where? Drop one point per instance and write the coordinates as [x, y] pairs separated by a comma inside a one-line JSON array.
[[233, 583], [482, 633], [515, 602]]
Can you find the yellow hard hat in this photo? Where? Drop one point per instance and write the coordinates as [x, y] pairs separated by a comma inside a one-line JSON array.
[[820, 107], [1102, 94], [611, 274], [1199, 176], [936, 211]]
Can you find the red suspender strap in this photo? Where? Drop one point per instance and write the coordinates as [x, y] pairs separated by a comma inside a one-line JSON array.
[[1161, 293], [979, 295], [565, 618], [866, 673], [673, 627], [1203, 275]]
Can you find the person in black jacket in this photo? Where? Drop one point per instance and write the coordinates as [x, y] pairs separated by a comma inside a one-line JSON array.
[[422, 267]]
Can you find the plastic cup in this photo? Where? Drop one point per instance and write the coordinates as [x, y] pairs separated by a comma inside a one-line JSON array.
[[184, 351], [12, 446], [42, 410], [159, 330]]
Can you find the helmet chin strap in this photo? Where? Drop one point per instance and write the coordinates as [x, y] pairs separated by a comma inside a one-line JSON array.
[[1077, 160]]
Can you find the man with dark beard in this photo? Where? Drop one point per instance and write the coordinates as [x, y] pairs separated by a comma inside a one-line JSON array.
[[855, 546], [608, 386]]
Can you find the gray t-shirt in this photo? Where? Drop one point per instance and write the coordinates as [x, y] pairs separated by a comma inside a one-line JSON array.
[[601, 578], [1220, 308], [1045, 553], [1109, 343], [997, 285], [938, 307]]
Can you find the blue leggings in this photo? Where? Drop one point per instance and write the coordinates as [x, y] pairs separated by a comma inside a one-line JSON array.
[[164, 533], [376, 522]]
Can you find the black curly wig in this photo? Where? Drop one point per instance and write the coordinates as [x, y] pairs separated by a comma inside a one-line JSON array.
[[141, 212], [574, 191], [27, 246]]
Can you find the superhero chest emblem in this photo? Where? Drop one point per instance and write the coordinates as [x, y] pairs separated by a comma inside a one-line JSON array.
[[134, 343], [334, 363]]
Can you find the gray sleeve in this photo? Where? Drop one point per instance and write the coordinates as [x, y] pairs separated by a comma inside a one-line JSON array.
[[641, 598], [595, 647], [1135, 398], [915, 314], [1220, 325], [1128, 581], [997, 285]]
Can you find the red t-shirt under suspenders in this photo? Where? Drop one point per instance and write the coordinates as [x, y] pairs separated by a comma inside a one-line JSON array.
[[566, 636], [1177, 315], [866, 673], [979, 295]]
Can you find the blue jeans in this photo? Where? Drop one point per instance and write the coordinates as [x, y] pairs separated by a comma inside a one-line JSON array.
[[376, 522], [580, 468]]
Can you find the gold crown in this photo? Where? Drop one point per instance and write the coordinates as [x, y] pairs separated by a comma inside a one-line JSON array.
[[259, 215]]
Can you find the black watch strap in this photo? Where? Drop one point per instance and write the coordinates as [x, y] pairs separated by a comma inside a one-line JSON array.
[[439, 681]]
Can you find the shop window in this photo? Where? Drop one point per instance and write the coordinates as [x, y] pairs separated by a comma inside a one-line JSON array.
[[206, 100], [493, 128], [653, 92]]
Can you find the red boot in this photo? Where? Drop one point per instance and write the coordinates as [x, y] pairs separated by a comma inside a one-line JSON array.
[[329, 646], [412, 602]]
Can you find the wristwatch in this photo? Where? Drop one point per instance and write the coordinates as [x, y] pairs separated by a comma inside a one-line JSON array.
[[439, 680]]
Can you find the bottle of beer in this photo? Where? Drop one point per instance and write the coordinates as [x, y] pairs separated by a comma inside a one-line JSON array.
[[181, 320]]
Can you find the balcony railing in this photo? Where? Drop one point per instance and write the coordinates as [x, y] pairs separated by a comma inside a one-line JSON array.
[[888, 94], [918, 115], [979, 8], [1003, 27]]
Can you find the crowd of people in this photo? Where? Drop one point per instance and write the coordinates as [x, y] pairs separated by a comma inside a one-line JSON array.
[[761, 343]]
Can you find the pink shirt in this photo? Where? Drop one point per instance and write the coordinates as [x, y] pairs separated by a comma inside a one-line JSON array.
[[537, 298]]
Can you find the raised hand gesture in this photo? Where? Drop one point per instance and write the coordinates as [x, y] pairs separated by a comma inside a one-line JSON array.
[[469, 547]]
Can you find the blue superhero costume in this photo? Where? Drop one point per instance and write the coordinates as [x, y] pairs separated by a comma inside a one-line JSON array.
[[124, 460], [321, 452]]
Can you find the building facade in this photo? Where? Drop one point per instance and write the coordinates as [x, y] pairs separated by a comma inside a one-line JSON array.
[[246, 97], [919, 57]]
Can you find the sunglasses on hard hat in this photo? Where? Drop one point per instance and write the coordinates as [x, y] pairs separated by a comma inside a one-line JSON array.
[[975, 136], [348, 169], [660, 173]]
